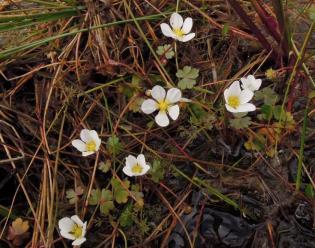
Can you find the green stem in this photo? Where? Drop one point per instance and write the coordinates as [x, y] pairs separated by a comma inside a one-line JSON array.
[[301, 154], [7, 52]]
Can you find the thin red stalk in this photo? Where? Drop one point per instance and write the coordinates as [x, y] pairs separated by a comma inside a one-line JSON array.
[[270, 23], [278, 7], [239, 10]]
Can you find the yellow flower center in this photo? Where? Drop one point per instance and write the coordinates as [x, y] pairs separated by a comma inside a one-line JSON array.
[[162, 105], [137, 169], [77, 231], [90, 146], [234, 101], [178, 32]]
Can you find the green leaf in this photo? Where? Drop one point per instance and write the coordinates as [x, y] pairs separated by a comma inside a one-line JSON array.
[[309, 191], [225, 29], [95, 197], [311, 94], [135, 81], [135, 106], [256, 143], [239, 123], [106, 203], [120, 193], [186, 83], [267, 111], [166, 50], [311, 12], [267, 95], [279, 113], [125, 218], [157, 171], [113, 145], [188, 72], [71, 196], [104, 167]]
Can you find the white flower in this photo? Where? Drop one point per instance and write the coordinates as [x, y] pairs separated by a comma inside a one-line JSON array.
[[180, 29], [73, 228], [136, 166], [236, 99], [165, 103], [89, 142], [251, 83]]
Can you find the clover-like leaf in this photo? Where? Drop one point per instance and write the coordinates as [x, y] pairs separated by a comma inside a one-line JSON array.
[[267, 95], [266, 112], [166, 50], [157, 171], [256, 143], [135, 105], [104, 167], [239, 123], [187, 76], [104, 198], [106, 201], [95, 197], [73, 195], [18, 232], [186, 83], [113, 145], [120, 192]]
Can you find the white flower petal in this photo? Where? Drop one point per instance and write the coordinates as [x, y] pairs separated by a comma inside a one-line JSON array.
[[78, 241], [130, 161], [251, 83], [234, 89], [246, 96], [85, 135], [173, 112], [65, 224], [173, 95], [98, 144], [226, 95], [158, 93], [84, 154], [84, 229], [145, 169], [77, 220], [161, 119], [230, 109], [167, 31], [176, 20], [148, 106], [94, 136], [141, 160], [67, 235], [187, 26], [127, 171], [187, 37], [246, 107], [79, 144]]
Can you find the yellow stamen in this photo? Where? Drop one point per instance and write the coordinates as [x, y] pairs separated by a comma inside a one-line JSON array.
[[234, 101], [137, 169], [77, 231], [90, 146], [162, 105], [178, 32]]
